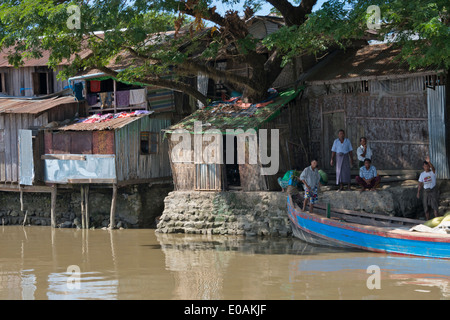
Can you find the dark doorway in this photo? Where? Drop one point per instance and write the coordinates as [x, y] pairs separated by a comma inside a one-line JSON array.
[[233, 178]]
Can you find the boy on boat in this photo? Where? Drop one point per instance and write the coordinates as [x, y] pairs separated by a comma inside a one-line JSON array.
[[311, 181], [427, 181], [368, 177]]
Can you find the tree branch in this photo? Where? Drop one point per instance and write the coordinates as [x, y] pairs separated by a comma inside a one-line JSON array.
[[211, 15], [159, 82], [194, 67], [293, 15]]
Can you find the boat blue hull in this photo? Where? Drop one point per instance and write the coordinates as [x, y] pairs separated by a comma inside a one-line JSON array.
[[319, 230]]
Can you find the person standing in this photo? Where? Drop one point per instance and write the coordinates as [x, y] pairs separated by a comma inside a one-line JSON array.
[[342, 150], [363, 152], [427, 182], [311, 180]]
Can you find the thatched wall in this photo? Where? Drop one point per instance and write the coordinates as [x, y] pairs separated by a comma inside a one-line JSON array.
[[392, 115]]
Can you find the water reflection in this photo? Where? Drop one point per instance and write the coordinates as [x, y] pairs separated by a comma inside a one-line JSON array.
[[139, 264]]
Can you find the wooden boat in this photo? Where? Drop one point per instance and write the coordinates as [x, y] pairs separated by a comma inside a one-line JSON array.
[[372, 232]]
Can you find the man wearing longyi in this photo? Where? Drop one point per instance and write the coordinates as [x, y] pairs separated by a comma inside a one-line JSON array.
[[342, 150]]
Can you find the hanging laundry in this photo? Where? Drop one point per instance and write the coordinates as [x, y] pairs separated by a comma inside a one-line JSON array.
[[95, 85], [123, 98], [92, 99], [106, 99], [138, 96], [78, 91]]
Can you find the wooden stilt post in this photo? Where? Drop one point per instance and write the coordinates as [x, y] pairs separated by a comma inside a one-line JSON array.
[[112, 217], [83, 210], [21, 198], [22, 207], [53, 206], [86, 205]]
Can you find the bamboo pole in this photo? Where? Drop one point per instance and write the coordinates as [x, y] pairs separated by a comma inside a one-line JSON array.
[[83, 210], [112, 218], [53, 206], [25, 218], [21, 198], [22, 207], [86, 206]]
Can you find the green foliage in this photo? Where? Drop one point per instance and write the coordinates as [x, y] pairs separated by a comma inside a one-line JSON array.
[[404, 21], [146, 29]]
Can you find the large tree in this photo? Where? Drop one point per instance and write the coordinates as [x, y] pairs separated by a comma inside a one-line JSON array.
[[163, 41]]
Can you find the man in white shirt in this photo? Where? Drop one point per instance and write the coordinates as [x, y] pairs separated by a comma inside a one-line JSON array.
[[311, 181], [427, 181], [364, 152], [342, 150]]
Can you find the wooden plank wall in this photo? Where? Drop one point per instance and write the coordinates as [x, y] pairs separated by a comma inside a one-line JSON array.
[[58, 85], [9, 157], [130, 163], [183, 174], [17, 78]]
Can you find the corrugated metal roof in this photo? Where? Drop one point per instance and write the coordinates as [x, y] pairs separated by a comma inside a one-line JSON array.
[[368, 61], [32, 106], [111, 124], [38, 62]]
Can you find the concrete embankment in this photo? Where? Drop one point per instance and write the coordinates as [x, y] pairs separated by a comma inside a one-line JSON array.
[[232, 212], [265, 213]]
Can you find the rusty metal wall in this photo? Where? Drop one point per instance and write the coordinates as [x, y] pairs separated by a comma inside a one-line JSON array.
[[437, 130], [61, 143], [81, 142], [103, 142]]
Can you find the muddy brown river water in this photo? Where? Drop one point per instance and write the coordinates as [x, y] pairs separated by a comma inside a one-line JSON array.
[[40, 263]]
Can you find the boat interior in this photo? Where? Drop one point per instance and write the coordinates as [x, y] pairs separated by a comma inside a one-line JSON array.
[[362, 218]]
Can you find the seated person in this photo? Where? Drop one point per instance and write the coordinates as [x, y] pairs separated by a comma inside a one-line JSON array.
[[363, 151], [368, 177]]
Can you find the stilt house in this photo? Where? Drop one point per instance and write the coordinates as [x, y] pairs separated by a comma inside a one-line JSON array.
[[193, 173]]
